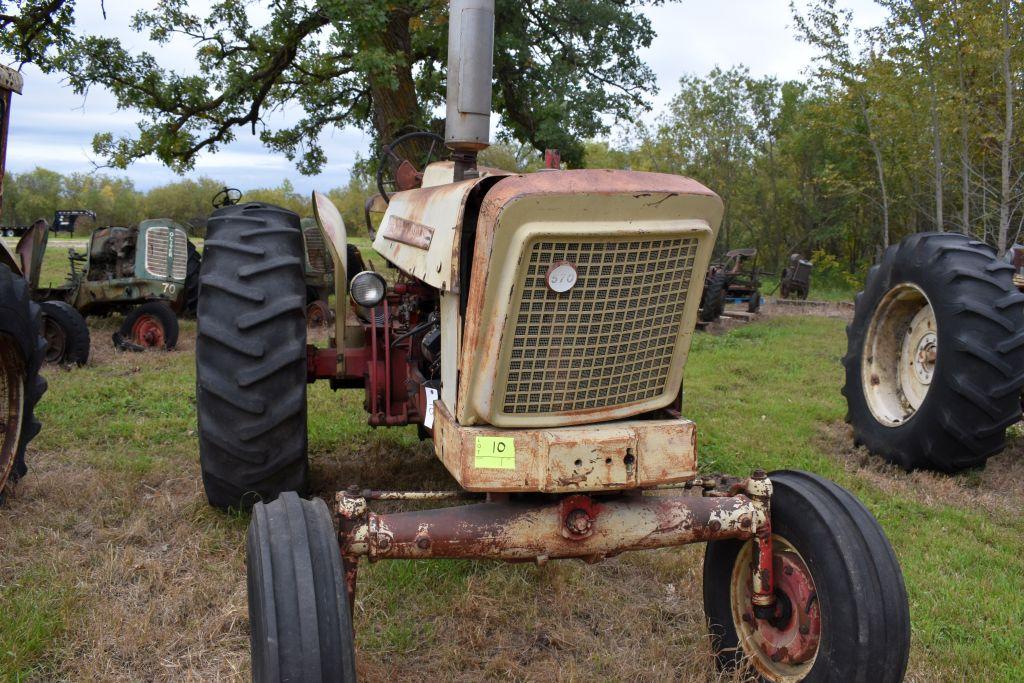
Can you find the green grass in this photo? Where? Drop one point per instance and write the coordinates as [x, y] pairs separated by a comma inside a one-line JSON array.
[[113, 498], [760, 394]]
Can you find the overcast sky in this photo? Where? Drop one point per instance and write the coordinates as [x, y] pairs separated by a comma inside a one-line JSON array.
[[53, 128]]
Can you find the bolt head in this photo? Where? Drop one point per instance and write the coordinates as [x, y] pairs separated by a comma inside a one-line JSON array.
[[578, 522]]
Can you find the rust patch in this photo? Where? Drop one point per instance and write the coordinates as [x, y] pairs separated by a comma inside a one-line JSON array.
[[409, 232], [614, 456], [575, 526]]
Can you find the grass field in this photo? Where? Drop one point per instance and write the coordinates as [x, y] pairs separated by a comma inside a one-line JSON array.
[[112, 567]]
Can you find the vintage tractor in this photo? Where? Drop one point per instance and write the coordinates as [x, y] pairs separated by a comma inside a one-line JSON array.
[[150, 273], [21, 347], [935, 355], [735, 280], [536, 331], [318, 270], [796, 278]]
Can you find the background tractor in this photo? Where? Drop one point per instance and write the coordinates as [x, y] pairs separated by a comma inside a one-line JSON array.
[[796, 278], [150, 273], [735, 280], [935, 354], [536, 330], [21, 347]]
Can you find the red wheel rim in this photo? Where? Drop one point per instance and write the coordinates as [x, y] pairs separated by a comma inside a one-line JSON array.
[[148, 331], [318, 314], [784, 648]]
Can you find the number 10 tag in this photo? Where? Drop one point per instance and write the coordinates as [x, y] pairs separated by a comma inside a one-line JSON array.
[[495, 453]]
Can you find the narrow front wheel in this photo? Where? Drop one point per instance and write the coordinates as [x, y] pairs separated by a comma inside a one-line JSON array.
[[841, 605], [300, 623]]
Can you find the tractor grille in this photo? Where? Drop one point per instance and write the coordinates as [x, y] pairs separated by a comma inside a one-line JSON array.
[[316, 251], [608, 341], [158, 246]]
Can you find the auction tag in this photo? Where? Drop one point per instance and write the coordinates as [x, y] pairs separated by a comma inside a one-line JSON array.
[[495, 453], [428, 419]]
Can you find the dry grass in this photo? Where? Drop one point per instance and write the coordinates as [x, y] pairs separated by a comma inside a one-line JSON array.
[[112, 567], [995, 489]]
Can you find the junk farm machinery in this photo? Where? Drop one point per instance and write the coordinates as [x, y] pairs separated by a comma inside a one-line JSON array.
[[22, 349], [536, 329], [149, 272]]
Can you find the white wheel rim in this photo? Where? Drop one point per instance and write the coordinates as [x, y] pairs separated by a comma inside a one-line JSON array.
[[899, 355]]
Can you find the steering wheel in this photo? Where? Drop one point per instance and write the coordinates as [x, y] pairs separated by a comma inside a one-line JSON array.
[[397, 168], [228, 196]]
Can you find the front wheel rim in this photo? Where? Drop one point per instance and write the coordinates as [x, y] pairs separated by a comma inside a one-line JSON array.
[[783, 650], [900, 353], [147, 331], [318, 315], [12, 403], [56, 340]]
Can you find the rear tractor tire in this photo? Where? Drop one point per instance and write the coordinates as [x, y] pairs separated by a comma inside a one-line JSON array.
[[841, 605], [22, 352], [153, 325], [251, 357], [935, 354], [66, 334], [299, 616]]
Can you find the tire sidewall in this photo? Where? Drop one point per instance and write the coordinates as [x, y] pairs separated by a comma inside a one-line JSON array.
[[74, 327], [803, 526]]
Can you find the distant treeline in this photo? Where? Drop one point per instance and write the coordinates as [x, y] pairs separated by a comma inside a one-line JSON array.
[[38, 193]]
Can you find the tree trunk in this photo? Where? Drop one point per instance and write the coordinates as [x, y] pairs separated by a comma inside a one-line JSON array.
[[396, 108], [1004, 196], [965, 149], [936, 133], [880, 168]]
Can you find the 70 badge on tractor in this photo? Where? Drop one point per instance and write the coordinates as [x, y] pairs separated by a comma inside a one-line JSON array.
[[557, 410]]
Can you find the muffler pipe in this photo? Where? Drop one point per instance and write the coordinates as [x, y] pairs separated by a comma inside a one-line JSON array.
[[470, 70]]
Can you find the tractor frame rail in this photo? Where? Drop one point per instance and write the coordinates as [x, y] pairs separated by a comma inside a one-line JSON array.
[[538, 528]]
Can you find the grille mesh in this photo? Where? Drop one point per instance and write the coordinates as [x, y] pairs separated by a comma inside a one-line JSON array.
[[157, 247], [316, 251], [609, 340]]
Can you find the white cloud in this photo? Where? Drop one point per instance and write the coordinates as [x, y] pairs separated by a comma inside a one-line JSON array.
[[52, 127]]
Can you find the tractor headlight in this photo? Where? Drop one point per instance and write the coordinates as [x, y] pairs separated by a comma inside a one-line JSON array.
[[368, 288]]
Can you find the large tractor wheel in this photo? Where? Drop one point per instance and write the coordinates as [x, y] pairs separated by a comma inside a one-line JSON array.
[[22, 351], [300, 623], [935, 355], [841, 605], [66, 334], [251, 356], [754, 305], [153, 325], [714, 298], [191, 296]]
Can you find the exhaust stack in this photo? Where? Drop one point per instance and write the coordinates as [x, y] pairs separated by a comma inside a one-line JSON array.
[[470, 68]]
